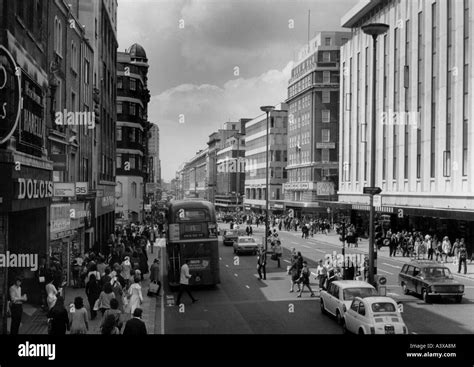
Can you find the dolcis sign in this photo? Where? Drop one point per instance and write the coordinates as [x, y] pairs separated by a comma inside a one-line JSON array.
[[10, 95]]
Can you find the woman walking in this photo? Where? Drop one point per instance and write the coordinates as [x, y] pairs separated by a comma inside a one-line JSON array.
[[79, 320], [92, 293], [136, 297], [58, 318], [115, 312], [109, 326], [304, 279], [105, 297], [51, 292]]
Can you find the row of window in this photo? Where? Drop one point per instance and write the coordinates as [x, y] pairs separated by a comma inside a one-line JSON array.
[[134, 135], [131, 82], [131, 109], [129, 161], [260, 194], [307, 81]]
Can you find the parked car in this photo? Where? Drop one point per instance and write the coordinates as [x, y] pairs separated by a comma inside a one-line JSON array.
[[245, 244], [374, 315], [230, 236], [429, 279], [340, 294]]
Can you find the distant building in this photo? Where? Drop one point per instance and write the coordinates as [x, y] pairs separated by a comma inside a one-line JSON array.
[[154, 162], [132, 133], [255, 160], [313, 124]]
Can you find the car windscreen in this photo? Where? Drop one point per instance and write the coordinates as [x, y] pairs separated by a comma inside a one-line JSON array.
[[246, 240], [383, 307], [437, 272], [350, 293], [229, 233]]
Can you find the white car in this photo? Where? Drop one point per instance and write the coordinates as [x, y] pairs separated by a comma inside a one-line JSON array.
[[245, 244], [340, 294], [374, 315]]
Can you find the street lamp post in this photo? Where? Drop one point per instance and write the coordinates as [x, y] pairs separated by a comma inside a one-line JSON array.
[[267, 110], [374, 30]]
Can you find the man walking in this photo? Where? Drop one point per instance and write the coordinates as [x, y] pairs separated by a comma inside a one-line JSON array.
[[16, 306], [304, 279], [262, 263], [462, 257], [135, 326], [184, 282]]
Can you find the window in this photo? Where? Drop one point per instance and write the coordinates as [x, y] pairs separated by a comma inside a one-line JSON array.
[[326, 77], [324, 155], [326, 136], [278, 155], [119, 82], [134, 189], [133, 84], [355, 306], [326, 96], [74, 56], [132, 109], [326, 115], [327, 41], [272, 122], [119, 133], [326, 56], [119, 160], [58, 36], [131, 134], [87, 68], [119, 107], [361, 309]]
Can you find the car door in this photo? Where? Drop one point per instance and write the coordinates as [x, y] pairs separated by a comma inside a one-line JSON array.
[[409, 278], [362, 320], [416, 280], [334, 299], [330, 298], [351, 316]]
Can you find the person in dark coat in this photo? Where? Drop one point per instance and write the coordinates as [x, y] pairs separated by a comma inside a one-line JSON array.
[[143, 261], [135, 326], [59, 318], [93, 293]]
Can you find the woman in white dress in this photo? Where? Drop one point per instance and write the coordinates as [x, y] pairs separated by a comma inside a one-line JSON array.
[[136, 297], [52, 292]]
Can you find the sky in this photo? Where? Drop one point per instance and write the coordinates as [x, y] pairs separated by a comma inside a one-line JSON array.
[[213, 61]]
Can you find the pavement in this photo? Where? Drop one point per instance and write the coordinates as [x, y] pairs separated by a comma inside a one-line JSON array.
[[34, 320], [332, 239]]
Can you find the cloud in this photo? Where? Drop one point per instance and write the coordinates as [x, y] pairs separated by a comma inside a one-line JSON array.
[[206, 108]]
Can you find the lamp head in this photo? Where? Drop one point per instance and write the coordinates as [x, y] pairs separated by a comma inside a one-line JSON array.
[[375, 29], [267, 108]]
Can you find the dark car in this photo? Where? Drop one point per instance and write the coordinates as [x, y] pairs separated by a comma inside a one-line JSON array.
[[228, 218], [230, 236], [429, 279]]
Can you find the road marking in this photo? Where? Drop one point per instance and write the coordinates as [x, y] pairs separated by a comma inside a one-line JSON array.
[[320, 250], [247, 286], [235, 275], [393, 266], [288, 261], [305, 246], [227, 266], [295, 243], [385, 271], [220, 258]]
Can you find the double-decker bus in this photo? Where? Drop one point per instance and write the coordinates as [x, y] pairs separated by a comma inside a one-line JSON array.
[[192, 234]]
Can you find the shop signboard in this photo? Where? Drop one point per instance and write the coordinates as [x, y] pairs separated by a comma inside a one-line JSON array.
[[64, 189], [325, 188], [10, 95], [60, 219]]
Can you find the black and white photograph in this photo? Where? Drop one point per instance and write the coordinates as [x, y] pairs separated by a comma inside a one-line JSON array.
[[286, 178]]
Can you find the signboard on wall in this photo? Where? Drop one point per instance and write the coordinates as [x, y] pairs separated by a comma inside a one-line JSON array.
[[325, 188], [64, 189]]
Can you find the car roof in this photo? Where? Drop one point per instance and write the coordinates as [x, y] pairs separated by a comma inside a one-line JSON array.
[[352, 284], [376, 299], [426, 264], [245, 237]]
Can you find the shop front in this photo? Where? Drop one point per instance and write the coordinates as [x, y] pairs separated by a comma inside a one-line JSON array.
[[105, 217], [24, 214]]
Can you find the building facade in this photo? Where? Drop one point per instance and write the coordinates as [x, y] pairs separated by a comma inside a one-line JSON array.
[[194, 176], [26, 183], [255, 159], [313, 130], [424, 105], [132, 133], [154, 162]]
